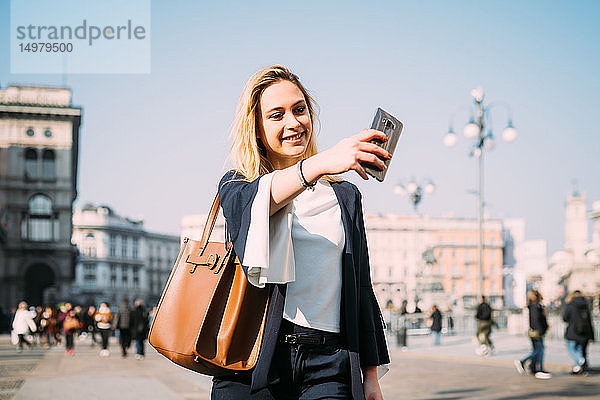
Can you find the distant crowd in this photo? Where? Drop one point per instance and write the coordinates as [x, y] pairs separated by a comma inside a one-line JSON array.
[[59, 326]]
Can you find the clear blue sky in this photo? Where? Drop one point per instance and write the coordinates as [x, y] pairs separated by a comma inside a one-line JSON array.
[[153, 145]]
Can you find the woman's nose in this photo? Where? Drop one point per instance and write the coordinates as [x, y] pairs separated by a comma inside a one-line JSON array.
[[292, 122]]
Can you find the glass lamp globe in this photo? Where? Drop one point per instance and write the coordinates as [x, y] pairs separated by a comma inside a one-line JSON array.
[[471, 130], [510, 133], [489, 143], [450, 139], [411, 187], [399, 189], [477, 93], [429, 188]]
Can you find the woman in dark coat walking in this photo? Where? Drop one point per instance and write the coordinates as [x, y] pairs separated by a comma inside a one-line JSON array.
[[538, 325], [579, 330]]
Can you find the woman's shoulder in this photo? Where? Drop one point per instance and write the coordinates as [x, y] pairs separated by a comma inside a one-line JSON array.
[[231, 175]]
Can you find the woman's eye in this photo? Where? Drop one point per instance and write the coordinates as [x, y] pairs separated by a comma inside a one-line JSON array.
[[276, 115], [300, 110]]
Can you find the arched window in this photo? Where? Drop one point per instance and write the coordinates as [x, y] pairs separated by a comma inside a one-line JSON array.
[[40, 205], [48, 165], [31, 164], [39, 223], [89, 245]]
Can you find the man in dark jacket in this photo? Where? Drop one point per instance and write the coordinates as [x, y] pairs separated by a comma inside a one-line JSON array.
[[139, 328], [122, 322], [579, 330], [436, 324], [484, 326]]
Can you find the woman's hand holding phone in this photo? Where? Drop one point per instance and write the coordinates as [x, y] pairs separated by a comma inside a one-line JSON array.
[[348, 155]]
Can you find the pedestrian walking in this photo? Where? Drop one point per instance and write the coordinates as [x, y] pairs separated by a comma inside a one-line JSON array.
[[306, 247], [38, 335], [450, 321], [579, 331], [46, 327], [70, 329], [55, 326], [538, 326], [401, 334], [139, 328], [484, 327], [89, 324], [436, 324], [122, 322], [22, 325], [103, 318]]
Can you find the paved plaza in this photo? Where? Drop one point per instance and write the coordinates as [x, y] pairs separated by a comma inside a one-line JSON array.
[[450, 371]]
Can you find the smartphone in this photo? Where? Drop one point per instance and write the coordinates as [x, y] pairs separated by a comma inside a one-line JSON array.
[[392, 128]]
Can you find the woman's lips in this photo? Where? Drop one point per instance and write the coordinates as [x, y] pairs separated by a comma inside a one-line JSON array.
[[294, 138]]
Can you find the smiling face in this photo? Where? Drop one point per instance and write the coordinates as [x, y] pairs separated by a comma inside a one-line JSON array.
[[285, 123]]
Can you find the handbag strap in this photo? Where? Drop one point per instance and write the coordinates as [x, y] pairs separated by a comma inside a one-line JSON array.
[[210, 221]]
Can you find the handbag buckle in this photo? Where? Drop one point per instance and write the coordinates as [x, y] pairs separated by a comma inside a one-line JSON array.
[[211, 262]]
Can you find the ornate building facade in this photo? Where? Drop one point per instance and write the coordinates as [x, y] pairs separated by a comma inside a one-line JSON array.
[[39, 142]]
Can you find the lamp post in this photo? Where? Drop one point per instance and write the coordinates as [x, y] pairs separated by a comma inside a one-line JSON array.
[[483, 141], [415, 191]]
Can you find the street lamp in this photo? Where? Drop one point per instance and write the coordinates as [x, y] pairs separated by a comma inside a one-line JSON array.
[[415, 191], [478, 128]]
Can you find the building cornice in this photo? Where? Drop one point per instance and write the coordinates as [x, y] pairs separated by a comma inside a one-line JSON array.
[[32, 110]]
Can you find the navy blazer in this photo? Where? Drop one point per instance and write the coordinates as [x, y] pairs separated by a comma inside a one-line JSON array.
[[361, 322]]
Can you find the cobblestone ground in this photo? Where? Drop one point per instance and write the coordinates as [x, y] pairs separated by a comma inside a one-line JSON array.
[[14, 367], [451, 371]]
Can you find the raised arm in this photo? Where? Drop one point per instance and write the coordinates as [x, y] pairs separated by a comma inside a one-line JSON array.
[[344, 156]]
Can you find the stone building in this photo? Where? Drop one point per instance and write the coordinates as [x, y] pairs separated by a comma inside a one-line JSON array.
[[39, 142], [119, 258], [577, 267], [433, 260]]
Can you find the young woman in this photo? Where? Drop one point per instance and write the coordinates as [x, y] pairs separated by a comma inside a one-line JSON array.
[[324, 335], [23, 324], [538, 325], [103, 318]]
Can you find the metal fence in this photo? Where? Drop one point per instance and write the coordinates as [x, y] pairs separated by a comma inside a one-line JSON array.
[[508, 321]]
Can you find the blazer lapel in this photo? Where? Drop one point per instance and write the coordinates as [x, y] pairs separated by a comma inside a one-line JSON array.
[[346, 199]]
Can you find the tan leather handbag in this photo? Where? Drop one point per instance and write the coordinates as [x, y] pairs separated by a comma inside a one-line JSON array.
[[209, 318]]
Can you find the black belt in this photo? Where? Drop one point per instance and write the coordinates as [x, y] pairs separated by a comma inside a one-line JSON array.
[[311, 338]]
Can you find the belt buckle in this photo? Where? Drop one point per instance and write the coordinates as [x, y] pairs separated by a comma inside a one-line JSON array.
[[291, 339]]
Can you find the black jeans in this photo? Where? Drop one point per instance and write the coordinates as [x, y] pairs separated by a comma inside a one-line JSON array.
[[23, 340], [70, 341], [306, 372], [105, 335], [125, 339]]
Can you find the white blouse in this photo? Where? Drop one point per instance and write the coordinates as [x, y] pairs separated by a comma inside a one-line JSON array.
[[305, 240], [304, 249]]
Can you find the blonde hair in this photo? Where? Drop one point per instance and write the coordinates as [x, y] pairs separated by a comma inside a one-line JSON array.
[[534, 296], [248, 155]]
